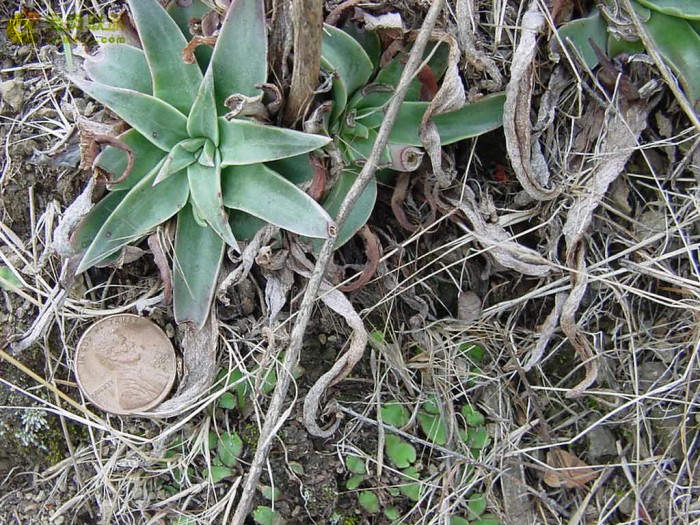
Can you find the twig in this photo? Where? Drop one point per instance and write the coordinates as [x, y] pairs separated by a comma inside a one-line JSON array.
[[308, 30], [273, 419]]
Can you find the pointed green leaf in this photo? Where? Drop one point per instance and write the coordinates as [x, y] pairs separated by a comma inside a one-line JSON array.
[[689, 9], [177, 160], [577, 33], [208, 154], [198, 255], [244, 142], [472, 120], [259, 191], [390, 75], [369, 40], [160, 123], [297, 169], [193, 145], [342, 54], [115, 161], [679, 45], [240, 54], [358, 149], [205, 191], [202, 119], [173, 81], [360, 212], [244, 225], [90, 225], [120, 65], [141, 210]]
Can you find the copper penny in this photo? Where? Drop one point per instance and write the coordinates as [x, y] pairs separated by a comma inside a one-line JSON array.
[[125, 364]]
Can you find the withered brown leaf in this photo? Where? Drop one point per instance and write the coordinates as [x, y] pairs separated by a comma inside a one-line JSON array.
[[571, 471]]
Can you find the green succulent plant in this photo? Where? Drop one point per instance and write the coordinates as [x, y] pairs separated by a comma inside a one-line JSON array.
[[184, 158], [361, 90], [672, 26]]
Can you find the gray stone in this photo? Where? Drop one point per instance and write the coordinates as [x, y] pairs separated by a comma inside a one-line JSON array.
[[601, 444], [12, 94]]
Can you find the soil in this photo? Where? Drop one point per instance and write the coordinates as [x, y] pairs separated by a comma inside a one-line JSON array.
[[635, 433]]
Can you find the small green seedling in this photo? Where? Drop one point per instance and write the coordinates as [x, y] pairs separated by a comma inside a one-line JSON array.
[[243, 387], [218, 473], [395, 414], [296, 467], [356, 465], [266, 516], [473, 417], [410, 483], [400, 452], [475, 356], [369, 501], [475, 435], [432, 423], [237, 398], [392, 514], [229, 448], [476, 514], [270, 493]]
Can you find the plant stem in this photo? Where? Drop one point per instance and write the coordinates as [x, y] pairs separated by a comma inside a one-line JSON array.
[[274, 420], [308, 31]]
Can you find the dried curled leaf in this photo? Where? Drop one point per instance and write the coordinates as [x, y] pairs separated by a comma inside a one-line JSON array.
[[570, 471], [525, 155]]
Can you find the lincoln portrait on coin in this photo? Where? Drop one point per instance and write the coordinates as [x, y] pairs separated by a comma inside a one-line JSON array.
[[137, 382]]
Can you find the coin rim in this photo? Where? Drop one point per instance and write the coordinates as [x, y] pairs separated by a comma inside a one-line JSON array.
[[166, 389]]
